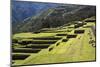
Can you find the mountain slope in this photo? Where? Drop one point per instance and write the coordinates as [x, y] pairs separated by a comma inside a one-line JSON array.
[[54, 17], [22, 10]]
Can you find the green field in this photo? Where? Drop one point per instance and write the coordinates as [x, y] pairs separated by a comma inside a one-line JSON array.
[[55, 45]]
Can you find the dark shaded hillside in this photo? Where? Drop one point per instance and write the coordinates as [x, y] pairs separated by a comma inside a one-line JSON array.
[[56, 17], [81, 13], [22, 10], [75, 15]]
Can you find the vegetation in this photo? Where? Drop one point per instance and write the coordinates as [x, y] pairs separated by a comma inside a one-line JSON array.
[[55, 17], [65, 33], [74, 46]]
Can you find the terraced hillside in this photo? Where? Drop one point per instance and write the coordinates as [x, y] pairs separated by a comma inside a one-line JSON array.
[[68, 43]]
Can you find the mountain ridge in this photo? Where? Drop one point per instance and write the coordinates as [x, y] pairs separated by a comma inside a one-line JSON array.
[[54, 17]]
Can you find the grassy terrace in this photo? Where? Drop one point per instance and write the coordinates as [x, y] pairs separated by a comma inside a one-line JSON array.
[[64, 44]]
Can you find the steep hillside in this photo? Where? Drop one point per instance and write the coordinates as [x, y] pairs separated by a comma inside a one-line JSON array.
[[54, 17], [22, 10]]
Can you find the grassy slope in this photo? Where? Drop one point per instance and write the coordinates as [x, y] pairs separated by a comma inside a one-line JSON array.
[[73, 50]]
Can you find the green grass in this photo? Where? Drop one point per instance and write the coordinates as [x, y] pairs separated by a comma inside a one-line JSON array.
[[72, 51], [75, 49]]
